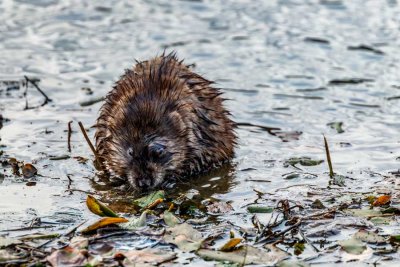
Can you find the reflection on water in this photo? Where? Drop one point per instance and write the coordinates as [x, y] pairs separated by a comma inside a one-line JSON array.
[[293, 66]]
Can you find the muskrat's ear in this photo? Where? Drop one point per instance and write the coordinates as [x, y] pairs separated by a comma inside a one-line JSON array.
[[176, 120]]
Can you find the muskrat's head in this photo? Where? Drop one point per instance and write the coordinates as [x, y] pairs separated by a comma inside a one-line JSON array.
[[148, 145]]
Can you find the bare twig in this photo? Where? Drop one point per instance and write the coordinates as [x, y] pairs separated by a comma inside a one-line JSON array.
[[328, 158], [97, 159], [69, 136], [46, 98]]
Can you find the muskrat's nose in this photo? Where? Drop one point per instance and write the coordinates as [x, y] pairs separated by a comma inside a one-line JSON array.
[[143, 183]]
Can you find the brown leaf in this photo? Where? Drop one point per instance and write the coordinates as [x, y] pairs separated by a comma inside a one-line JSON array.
[[382, 200], [151, 256], [219, 208], [67, 256], [29, 170], [102, 223]]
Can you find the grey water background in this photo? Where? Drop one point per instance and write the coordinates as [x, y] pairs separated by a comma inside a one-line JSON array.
[[280, 63]]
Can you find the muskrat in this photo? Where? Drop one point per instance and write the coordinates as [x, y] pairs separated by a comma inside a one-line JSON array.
[[162, 121]]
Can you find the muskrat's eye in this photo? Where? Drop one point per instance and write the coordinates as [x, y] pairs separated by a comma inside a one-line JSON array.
[[157, 150], [130, 151]]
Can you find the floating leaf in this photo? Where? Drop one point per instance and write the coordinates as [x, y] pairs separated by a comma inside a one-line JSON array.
[[369, 237], [147, 201], [102, 223], [231, 244], [219, 208], [289, 263], [135, 223], [247, 255], [363, 212], [353, 246], [382, 200], [298, 248], [381, 220], [184, 236], [338, 179], [170, 219], [150, 256], [394, 210], [317, 204], [337, 126], [304, 161], [99, 208], [40, 236], [5, 242], [28, 170], [260, 209], [395, 239]]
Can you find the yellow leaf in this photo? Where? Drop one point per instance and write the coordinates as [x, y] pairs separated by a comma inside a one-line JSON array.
[[99, 208], [231, 244], [103, 222]]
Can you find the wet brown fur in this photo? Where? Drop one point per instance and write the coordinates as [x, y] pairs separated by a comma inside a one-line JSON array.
[[162, 99]]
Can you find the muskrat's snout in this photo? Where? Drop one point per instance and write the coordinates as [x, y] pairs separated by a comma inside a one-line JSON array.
[[144, 183]]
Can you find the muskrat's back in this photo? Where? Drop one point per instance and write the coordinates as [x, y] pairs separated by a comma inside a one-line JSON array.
[[161, 121]]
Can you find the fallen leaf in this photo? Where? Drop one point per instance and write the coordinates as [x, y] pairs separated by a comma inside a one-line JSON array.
[[336, 126], [260, 209], [28, 170], [184, 236], [151, 256], [99, 208], [298, 248], [5, 242], [135, 223], [304, 161], [395, 239], [79, 242], [170, 219], [66, 257], [102, 223], [247, 255], [40, 236], [369, 237], [219, 208], [381, 220], [146, 201], [382, 200], [231, 244], [353, 246], [5, 255], [363, 212]]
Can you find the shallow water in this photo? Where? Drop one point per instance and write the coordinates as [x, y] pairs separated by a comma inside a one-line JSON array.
[[293, 65]]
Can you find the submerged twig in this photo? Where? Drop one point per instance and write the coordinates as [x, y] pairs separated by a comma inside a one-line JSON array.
[[69, 184], [328, 158], [46, 98], [69, 136]]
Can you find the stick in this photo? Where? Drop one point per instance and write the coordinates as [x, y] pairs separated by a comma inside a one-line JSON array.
[[100, 164], [328, 158], [47, 99], [69, 136]]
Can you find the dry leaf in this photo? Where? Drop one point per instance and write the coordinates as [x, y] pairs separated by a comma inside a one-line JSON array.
[[29, 170], [231, 244], [103, 222], [382, 200]]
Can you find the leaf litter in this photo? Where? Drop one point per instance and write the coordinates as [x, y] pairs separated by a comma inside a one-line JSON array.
[[165, 226]]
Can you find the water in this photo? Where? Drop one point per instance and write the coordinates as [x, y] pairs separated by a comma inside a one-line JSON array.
[[277, 62]]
